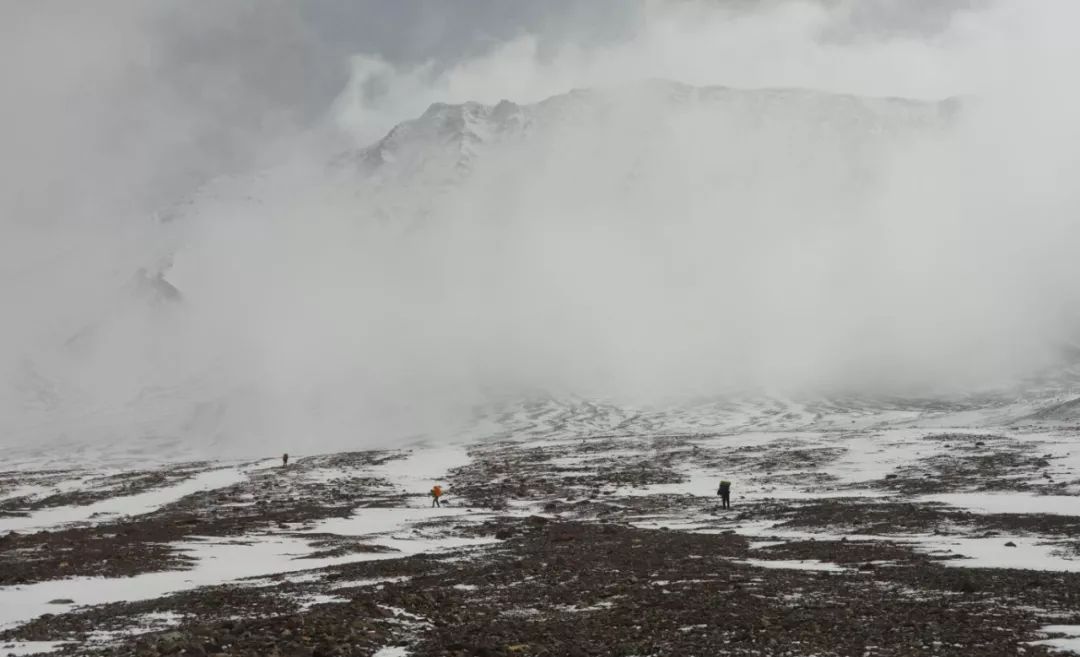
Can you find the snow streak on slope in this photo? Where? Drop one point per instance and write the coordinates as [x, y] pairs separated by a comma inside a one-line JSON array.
[[109, 509]]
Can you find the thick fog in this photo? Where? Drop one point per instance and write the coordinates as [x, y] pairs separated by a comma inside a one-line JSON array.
[[193, 245]]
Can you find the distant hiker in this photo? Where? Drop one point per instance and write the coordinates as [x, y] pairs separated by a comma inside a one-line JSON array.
[[436, 493], [284, 460], [725, 494]]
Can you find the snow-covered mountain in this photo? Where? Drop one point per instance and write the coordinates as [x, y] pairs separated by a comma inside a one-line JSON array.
[[746, 131]]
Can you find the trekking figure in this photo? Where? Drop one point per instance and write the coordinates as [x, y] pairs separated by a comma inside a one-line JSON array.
[[284, 460], [725, 494], [436, 493]]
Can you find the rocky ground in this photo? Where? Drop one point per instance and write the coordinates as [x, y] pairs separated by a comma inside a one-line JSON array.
[[596, 545]]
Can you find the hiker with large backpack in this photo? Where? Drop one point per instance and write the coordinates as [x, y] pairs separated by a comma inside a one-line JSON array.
[[725, 494]]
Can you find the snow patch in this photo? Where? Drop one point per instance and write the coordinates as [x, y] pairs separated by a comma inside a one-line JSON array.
[[217, 562], [19, 648], [805, 564], [1060, 505], [377, 582], [1069, 643]]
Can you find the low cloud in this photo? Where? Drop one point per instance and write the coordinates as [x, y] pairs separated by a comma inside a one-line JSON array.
[[639, 249]]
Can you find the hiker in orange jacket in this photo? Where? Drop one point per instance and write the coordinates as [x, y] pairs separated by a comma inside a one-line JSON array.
[[436, 493]]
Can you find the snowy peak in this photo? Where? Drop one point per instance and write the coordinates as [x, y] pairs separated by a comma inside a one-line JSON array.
[[447, 136]]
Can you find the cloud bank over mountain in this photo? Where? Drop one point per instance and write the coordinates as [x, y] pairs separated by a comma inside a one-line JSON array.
[[238, 245]]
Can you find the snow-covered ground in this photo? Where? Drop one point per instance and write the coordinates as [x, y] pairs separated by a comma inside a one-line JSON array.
[[769, 468]]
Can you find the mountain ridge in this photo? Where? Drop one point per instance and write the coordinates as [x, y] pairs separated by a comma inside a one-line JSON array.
[[469, 124]]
